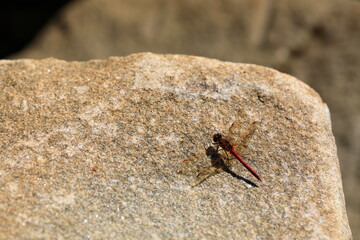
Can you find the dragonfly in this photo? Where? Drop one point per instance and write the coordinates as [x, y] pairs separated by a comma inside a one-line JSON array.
[[240, 134], [228, 147]]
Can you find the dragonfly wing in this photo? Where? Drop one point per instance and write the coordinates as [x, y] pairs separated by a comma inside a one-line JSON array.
[[241, 132], [190, 166], [205, 173]]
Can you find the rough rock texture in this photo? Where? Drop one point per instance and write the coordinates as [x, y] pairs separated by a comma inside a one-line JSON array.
[[315, 41], [96, 150]]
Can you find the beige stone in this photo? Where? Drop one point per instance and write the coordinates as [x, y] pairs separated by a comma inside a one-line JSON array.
[[96, 150]]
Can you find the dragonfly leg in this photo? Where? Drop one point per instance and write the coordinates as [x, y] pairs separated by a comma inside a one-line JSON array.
[[217, 146], [226, 153]]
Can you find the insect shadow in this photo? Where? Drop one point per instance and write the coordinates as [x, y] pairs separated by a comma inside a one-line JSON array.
[[217, 166]]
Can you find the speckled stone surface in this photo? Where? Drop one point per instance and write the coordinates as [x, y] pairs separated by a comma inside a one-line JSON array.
[[96, 150]]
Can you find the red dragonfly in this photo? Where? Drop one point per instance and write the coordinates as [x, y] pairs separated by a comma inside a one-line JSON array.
[[240, 132], [228, 147]]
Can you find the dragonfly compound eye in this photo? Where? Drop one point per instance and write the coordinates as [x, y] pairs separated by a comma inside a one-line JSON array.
[[217, 137]]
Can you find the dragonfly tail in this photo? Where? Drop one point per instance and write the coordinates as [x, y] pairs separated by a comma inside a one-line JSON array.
[[237, 156]]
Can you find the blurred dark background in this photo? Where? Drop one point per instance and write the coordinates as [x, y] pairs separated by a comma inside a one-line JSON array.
[[315, 41], [21, 20]]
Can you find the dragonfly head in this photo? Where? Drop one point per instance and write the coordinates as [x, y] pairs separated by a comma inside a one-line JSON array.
[[217, 137]]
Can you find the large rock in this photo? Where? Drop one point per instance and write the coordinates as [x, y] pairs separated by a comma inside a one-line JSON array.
[[96, 150], [315, 41]]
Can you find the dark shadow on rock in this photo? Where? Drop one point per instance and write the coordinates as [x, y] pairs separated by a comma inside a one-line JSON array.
[[218, 163]]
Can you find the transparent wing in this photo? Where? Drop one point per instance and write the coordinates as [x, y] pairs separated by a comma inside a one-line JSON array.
[[205, 173], [241, 131], [192, 165]]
